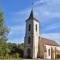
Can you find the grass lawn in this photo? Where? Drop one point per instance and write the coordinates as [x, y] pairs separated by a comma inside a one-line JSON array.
[[10, 59], [29, 59]]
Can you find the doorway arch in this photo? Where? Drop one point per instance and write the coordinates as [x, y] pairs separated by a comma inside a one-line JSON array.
[[28, 53]]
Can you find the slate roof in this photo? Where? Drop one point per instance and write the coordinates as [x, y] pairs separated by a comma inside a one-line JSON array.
[[32, 16], [48, 42]]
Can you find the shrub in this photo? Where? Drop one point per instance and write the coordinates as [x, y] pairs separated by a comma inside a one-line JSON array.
[[6, 56], [16, 55], [58, 55]]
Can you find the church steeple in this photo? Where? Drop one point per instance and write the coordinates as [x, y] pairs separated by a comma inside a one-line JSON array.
[[32, 17], [31, 14], [31, 36]]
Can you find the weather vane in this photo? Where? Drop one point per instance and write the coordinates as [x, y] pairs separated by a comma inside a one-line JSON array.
[[32, 5]]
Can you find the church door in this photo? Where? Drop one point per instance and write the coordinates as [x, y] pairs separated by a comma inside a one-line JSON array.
[[28, 53]]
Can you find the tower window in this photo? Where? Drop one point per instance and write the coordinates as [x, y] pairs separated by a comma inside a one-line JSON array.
[[29, 39], [29, 28], [36, 27], [49, 52]]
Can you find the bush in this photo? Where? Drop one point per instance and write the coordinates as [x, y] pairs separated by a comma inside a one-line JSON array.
[[6, 56], [16, 55], [58, 55], [1, 57]]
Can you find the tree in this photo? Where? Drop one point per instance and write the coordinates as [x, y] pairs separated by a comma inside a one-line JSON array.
[[16, 50], [20, 49], [21, 46], [4, 30]]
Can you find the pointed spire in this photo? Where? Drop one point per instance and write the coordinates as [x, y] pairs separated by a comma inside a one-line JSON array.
[[31, 14]]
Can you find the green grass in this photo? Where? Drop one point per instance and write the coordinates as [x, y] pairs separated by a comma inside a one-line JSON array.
[[27, 59], [10, 59]]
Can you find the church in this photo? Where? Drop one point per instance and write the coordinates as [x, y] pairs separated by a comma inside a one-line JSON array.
[[36, 46]]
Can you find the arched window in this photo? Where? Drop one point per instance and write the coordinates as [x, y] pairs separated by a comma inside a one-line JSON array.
[[29, 27], [49, 52], [29, 40], [28, 53], [36, 27]]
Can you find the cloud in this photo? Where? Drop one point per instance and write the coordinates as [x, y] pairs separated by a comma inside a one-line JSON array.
[[50, 13], [17, 34], [18, 18], [23, 12], [16, 29], [16, 40], [39, 2], [51, 2], [52, 26], [46, 11]]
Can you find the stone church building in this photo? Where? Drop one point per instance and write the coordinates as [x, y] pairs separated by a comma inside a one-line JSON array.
[[36, 46]]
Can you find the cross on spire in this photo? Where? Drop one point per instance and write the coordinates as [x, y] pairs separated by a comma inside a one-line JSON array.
[[32, 5]]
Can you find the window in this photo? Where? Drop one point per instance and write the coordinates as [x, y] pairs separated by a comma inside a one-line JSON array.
[[29, 40], [49, 52], [28, 51], [29, 27], [36, 27]]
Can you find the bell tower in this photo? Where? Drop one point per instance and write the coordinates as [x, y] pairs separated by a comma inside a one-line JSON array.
[[31, 38]]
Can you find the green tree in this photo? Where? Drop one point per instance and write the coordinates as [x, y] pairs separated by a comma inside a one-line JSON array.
[[21, 46], [20, 49], [16, 50], [4, 30]]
